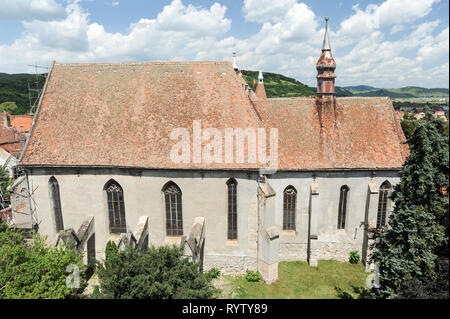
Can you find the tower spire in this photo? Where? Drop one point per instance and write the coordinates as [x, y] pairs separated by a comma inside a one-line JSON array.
[[235, 66], [326, 40], [260, 77], [260, 90], [325, 68]]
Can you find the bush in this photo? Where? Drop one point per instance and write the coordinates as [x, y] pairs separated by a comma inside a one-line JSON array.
[[253, 276], [9, 107], [111, 250], [214, 273], [354, 257], [33, 270], [160, 273]]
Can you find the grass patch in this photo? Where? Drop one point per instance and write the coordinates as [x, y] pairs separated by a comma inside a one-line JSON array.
[[330, 280]]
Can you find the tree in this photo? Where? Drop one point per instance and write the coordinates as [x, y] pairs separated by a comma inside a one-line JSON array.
[[161, 273], [9, 107], [418, 226], [409, 124], [5, 181], [29, 268], [437, 288]]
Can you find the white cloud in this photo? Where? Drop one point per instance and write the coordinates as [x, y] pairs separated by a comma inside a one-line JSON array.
[[288, 42], [178, 29], [199, 22], [397, 28], [31, 10], [389, 13], [115, 3], [266, 10], [69, 34]]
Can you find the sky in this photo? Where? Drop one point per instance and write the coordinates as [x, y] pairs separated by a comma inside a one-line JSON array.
[[382, 43]]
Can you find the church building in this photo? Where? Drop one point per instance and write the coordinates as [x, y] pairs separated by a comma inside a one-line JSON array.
[[122, 152]]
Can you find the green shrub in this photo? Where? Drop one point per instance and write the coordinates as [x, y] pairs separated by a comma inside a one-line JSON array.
[[354, 257], [214, 272], [33, 270], [9, 107], [253, 276], [111, 250], [158, 273]]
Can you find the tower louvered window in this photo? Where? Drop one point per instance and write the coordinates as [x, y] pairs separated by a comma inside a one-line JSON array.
[[289, 207], [382, 204], [174, 216], [232, 209], [116, 207], [342, 206], [56, 202]]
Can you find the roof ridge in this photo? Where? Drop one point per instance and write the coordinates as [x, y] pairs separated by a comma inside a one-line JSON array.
[[143, 63]]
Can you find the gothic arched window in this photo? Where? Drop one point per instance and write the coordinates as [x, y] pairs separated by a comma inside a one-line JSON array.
[[382, 204], [174, 215], [116, 207], [342, 206], [289, 207], [56, 203], [232, 209]]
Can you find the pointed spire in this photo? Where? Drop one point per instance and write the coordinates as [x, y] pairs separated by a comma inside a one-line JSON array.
[[260, 77], [326, 39], [235, 66], [325, 67], [260, 90]]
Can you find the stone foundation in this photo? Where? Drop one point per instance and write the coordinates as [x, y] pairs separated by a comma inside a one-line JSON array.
[[293, 251], [333, 250], [229, 264], [269, 272]]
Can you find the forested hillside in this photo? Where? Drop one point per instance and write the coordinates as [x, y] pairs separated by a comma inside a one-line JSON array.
[[14, 88], [278, 85]]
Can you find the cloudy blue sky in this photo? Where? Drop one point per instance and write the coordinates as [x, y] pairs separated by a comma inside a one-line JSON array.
[[384, 43]]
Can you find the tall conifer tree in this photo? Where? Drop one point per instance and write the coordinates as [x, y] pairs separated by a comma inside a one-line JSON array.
[[418, 226]]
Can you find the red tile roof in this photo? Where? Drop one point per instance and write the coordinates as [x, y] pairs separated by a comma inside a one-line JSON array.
[[122, 114], [364, 134], [9, 140], [22, 123]]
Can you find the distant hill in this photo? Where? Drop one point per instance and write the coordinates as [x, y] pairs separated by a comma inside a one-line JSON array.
[[360, 87], [404, 92], [14, 88], [277, 85]]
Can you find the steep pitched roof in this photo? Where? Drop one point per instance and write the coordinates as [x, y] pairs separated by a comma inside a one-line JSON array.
[[122, 114], [366, 134]]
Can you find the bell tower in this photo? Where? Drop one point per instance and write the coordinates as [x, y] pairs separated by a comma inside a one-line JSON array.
[[325, 96], [325, 68]]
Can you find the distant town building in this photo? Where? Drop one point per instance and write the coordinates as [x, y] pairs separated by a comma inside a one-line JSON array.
[[440, 115]]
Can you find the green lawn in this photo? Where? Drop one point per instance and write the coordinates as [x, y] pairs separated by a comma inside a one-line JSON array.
[[331, 279]]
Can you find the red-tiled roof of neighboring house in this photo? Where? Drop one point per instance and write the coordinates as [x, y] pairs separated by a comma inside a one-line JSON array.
[[21, 123], [8, 135], [122, 115]]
